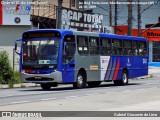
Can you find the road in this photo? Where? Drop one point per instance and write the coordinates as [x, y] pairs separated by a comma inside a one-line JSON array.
[[140, 94], [35, 94]]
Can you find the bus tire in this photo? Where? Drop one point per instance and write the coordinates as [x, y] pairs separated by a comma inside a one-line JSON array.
[[46, 86], [94, 84], [124, 79], [80, 81]]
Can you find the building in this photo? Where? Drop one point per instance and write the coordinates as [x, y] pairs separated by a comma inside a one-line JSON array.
[[17, 16]]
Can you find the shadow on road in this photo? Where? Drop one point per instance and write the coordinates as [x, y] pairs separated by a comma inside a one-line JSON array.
[[70, 87]]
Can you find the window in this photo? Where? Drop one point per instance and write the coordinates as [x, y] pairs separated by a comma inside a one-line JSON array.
[[142, 48], [116, 47], [82, 42], [68, 48], [135, 48], [127, 46], [105, 46], [94, 46], [73, 3], [156, 51]]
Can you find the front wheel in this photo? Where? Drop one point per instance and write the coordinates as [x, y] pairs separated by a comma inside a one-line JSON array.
[[80, 81], [124, 79], [46, 86]]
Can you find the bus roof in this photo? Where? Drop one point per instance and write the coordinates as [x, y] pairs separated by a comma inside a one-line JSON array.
[[103, 35]]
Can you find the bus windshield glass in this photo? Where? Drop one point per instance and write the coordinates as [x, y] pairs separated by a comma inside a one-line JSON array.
[[41, 52]]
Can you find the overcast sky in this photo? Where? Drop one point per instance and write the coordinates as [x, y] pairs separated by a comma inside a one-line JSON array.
[[149, 15]]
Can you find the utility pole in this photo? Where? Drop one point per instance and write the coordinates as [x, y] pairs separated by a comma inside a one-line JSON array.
[[130, 18], [110, 15], [115, 17], [59, 15], [139, 18]]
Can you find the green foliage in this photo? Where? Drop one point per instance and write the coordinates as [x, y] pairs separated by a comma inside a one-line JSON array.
[[150, 76], [6, 72], [23, 86], [7, 75], [17, 77], [10, 84]]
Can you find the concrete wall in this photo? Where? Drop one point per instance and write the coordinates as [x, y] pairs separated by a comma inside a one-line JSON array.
[[8, 35]]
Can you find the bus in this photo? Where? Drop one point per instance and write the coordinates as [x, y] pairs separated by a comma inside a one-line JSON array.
[[53, 56]]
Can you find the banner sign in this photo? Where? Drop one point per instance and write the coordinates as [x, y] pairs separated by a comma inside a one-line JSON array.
[[150, 34], [15, 12], [81, 21]]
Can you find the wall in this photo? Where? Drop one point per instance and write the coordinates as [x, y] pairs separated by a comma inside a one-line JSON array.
[[8, 35]]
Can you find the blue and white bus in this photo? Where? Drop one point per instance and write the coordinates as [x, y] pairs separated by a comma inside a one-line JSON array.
[[53, 56]]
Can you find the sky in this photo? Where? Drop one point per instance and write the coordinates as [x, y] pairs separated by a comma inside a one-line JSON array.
[[148, 16]]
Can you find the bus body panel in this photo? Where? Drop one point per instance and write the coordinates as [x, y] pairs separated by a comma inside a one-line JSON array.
[[42, 78], [68, 72], [97, 67], [90, 64], [113, 66]]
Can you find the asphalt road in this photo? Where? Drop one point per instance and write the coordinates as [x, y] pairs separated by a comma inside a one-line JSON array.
[[139, 95], [35, 94]]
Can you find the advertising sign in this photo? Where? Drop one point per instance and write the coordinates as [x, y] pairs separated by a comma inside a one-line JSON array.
[[81, 21], [15, 12], [150, 34]]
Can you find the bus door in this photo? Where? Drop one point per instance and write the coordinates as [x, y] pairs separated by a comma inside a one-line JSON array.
[[68, 66], [16, 55]]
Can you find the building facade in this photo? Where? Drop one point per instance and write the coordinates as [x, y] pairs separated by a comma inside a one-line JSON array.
[[16, 16]]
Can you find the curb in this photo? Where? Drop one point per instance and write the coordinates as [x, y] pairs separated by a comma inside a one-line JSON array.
[[22, 85]]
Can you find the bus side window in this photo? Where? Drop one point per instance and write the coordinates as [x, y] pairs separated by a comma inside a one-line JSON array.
[[116, 47], [105, 46], [68, 48], [82, 42], [142, 48], [127, 45], [135, 48], [94, 46]]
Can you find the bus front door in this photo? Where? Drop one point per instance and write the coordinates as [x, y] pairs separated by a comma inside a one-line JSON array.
[[68, 59]]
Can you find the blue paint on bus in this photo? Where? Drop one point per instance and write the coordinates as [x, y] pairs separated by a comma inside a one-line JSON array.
[[135, 66]]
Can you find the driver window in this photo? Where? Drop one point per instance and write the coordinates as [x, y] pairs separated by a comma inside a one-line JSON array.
[[68, 48]]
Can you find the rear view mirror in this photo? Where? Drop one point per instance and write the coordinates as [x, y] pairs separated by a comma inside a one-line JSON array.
[[18, 46], [15, 47]]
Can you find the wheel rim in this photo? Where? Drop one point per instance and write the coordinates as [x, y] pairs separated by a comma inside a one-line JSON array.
[[124, 78], [80, 80]]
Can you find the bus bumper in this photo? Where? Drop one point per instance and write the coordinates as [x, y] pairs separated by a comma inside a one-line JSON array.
[[55, 77]]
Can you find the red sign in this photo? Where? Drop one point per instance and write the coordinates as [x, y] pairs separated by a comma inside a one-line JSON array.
[[122, 30], [1, 12], [150, 34]]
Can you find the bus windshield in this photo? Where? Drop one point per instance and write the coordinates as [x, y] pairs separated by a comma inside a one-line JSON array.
[[41, 52]]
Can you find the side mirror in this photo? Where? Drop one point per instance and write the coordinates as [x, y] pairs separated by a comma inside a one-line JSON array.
[[18, 46], [15, 47]]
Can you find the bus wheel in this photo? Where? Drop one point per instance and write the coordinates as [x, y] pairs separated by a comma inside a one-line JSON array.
[[94, 84], [46, 86], [124, 79], [80, 82]]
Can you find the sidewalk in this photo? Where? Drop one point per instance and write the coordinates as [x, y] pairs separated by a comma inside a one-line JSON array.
[[22, 85]]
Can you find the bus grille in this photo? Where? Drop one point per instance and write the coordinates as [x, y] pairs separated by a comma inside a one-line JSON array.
[[37, 78]]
